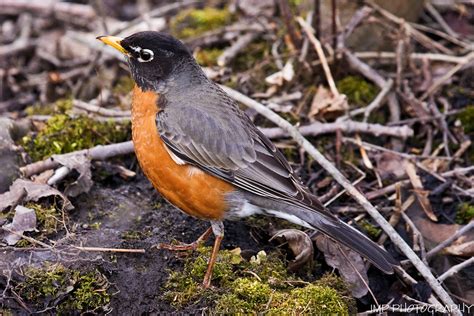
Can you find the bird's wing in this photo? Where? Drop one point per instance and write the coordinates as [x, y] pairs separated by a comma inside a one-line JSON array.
[[214, 135]]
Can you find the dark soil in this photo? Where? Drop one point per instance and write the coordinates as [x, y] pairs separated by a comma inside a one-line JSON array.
[[131, 215]]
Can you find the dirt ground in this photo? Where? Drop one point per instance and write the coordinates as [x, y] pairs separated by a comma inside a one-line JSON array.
[[131, 215]]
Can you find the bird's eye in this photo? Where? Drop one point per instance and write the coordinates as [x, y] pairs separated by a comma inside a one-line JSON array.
[[146, 55]]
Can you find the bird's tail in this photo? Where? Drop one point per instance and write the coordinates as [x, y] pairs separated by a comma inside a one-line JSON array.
[[321, 219]]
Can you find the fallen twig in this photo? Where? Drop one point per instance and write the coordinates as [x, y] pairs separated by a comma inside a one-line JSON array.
[[232, 51], [81, 14], [455, 269], [100, 152], [447, 76], [102, 249], [414, 56], [319, 50], [99, 110], [450, 240], [359, 197], [349, 126]]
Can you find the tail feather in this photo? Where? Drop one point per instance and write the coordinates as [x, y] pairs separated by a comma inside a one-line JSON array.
[[341, 232], [352, 238]]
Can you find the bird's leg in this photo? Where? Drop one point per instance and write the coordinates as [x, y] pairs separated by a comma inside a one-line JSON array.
[[183, 246], [218, 230]]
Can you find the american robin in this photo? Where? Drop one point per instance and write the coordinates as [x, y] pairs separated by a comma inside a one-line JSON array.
[[206, 157]]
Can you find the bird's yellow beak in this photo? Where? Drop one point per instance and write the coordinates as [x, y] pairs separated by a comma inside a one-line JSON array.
[[114, 42]]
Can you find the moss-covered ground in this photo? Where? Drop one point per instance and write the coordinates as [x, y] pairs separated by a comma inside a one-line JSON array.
[[259, 285]]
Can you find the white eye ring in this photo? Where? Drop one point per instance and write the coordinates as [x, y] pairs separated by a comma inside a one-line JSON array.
[[143, 53]]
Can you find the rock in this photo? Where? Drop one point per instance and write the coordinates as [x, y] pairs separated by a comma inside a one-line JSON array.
[[9, 157]]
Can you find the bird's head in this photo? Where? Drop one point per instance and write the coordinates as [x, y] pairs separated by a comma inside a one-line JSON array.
[[153, 56]]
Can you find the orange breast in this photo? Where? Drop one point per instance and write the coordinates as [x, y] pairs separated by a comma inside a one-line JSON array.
[[196, 193]]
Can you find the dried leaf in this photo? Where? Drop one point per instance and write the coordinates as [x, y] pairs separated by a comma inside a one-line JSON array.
[[24, 190], [351, 266], [435, 233], [257, 8], [286, 74], [324, 102], [465, 249], [24, 220], [82, 164], [299, 243], [390, 166], [421, 194], [363, 153]]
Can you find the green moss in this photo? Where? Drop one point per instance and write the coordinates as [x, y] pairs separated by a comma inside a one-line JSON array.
[[49, 217], [358, 91], [309, 300], [370, 229], [135, 235], [465, 213], [194, 22], [60, 106], [67, 289], [208, 56], [63, 134], [259, 285], [467, 119], [337, 283]]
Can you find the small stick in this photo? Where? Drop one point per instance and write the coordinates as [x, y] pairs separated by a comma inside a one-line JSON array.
[[100, 152], [414, 56], [463, 230], [455, 269], [232, 51], [31, 240], [319, 50], [349, 126], [99, 110], [435, 14], [391, 188], [101, 249], [440, 81]]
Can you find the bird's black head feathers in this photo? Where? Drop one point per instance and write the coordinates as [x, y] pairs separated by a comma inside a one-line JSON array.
[[154, 56]]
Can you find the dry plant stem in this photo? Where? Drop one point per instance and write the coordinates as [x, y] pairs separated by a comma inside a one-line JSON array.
[[410, 280], [319, 50], [391, 188], [396, 214], [102, 249], [364, 69], [80, 14], [417, 35], [414, 56], [435, 14], [373, 147], [377, 102], [465, 229], [288, 18], [100, 152], [417, 237], [349, 126], [447, 76], [160, 11], [455, 269], [359, 197], [443, 35], [99, 110], [232, 51], [31, 240]]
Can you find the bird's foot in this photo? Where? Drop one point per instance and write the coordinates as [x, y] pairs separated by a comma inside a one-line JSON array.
[[180, 246]]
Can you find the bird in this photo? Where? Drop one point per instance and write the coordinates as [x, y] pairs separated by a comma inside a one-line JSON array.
[[205, 156]]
